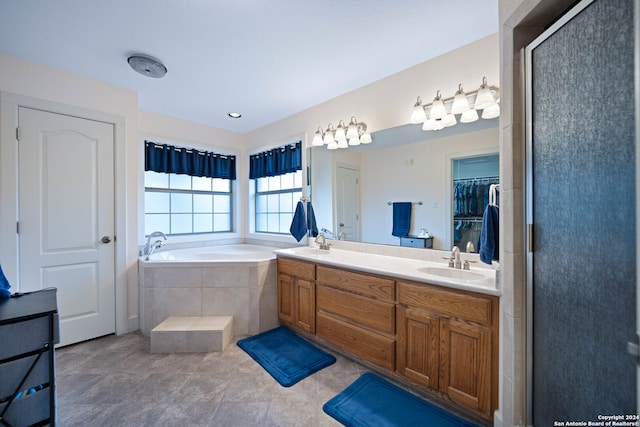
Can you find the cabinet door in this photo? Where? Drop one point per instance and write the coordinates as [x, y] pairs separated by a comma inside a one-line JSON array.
[[305, 307], [418, 340], [465, 364], [286, 299]]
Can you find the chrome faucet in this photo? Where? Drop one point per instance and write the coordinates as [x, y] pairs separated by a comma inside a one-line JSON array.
[[323, 245], [149, 248], [454, 261]]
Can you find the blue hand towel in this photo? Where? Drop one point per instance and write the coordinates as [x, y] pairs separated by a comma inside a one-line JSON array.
[[401, 218], [298, 227], [489, 235], [312, 220], [4, 285]]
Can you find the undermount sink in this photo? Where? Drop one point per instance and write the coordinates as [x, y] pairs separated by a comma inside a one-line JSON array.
[[451, 273]]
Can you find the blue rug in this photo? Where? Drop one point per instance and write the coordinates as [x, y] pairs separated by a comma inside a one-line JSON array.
[[286, 356], [372, 401]]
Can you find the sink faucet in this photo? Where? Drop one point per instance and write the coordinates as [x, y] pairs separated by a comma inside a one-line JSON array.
[[149, 248], [323, 244], [454, 261]]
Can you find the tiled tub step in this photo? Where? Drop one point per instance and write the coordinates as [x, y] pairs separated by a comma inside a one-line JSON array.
[[197, 334]]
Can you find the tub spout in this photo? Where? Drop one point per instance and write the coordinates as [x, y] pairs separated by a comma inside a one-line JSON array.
[[149, 247]]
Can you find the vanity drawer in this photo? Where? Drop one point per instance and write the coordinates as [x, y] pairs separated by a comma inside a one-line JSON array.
[[363, 284], [303, 270], [369, 346], [459, 304], [370, 313]]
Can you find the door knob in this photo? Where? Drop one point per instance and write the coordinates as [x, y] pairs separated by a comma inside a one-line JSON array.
[[106, 239]]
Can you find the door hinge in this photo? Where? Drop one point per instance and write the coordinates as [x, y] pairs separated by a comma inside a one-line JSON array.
[[18, 227], [17, 134], [634, 349], [530, 237]]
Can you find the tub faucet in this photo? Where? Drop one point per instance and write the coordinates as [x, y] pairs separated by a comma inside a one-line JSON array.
[[323, 244], [454, 261], [149, 248]]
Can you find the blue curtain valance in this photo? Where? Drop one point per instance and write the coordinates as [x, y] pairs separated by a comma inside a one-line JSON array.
[[279, 161], [169, 159]]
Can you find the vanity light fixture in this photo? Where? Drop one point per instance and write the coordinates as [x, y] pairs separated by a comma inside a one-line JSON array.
[[442, 113], [342, 136]]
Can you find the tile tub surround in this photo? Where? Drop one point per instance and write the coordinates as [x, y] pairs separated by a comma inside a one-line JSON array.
[[245, 290]]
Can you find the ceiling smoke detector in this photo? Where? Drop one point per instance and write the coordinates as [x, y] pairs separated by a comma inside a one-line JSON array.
[[147, 65]]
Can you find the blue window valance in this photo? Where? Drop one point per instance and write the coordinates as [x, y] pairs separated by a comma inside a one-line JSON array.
[[169, 159], [278, 161]]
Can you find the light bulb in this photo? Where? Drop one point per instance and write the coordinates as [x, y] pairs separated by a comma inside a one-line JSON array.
[[491, 112], [352, 130], [449, 120], [460, 103], [484, 98], [317, 138], [437, 108], [429, 124], [328, 135], [469, 116], [418, 115]]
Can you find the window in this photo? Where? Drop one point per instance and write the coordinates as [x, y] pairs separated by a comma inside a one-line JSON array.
[[276, 198], [183, 204]]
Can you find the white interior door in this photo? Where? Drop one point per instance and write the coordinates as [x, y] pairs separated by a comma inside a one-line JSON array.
[[66, 213], [347, 202]]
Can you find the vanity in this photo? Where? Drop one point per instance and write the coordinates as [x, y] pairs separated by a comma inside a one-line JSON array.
[[417, 320]]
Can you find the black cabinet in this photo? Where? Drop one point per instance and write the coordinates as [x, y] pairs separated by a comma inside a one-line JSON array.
[[28, 332], [417, 242]]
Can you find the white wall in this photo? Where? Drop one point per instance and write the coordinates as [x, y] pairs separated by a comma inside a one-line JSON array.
[[388, 102]]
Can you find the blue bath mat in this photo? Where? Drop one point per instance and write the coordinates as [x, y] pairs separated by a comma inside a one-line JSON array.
[[286, 356], [371, 401]]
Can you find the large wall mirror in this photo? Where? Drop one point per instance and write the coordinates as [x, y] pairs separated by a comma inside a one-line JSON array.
[[352, 190]]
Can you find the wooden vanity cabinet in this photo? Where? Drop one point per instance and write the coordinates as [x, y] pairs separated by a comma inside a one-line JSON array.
[[447, 342], [356, 314], [442, 340], [297, 294]]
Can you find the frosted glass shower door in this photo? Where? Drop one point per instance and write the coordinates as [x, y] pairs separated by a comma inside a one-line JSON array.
[[582, 201]]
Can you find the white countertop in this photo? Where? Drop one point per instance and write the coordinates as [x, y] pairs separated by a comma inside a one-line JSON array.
[[477, 279]]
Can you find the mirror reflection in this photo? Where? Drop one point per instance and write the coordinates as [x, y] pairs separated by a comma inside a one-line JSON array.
[[355, 191]]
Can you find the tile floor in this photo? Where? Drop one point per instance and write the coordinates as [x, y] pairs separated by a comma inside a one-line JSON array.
[[115, 381]]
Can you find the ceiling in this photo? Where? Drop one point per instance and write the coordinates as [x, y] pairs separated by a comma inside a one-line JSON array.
[[266, 59]]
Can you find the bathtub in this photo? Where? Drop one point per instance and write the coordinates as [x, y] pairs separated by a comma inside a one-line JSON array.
[[217, 254], [226, 280]]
